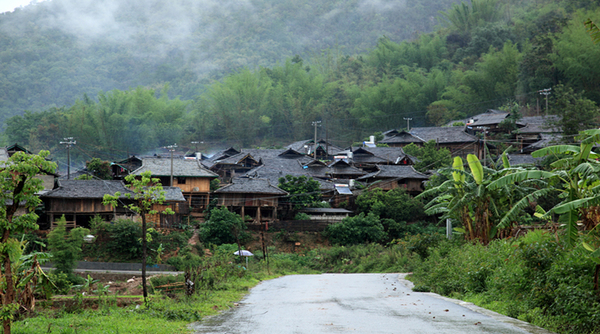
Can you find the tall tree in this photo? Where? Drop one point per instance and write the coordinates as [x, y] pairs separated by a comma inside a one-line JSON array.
[[18, 185], [146, 192]]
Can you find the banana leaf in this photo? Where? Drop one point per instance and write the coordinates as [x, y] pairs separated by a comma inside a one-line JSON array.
[[519, 177]]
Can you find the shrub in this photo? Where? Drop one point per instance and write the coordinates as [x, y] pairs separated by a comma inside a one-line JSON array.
[[223, 227], [356, 230], [66, 247]]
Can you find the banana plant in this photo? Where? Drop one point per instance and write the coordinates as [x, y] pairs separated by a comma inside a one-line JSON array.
[[578, 183], [465, 198]]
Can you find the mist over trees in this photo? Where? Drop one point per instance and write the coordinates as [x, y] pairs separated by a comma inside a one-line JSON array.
[[55, 51], [502, 53]]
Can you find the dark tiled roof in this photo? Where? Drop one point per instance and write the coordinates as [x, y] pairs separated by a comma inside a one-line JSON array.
[[173, 194], [395, 171], [87, 189], [272, 173], [539, 124], [341, 167], [492, 117], [181, 168], [306, 146], [251, 186], [236, 159], [381, 154], [401, 137], [445, 135], [547, 140], [522, 159]]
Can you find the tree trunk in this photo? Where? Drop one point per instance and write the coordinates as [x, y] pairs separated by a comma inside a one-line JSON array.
[[144, 256], [9, 296]]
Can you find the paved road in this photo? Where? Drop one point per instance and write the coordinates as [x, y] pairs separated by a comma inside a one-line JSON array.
[[359, 303]]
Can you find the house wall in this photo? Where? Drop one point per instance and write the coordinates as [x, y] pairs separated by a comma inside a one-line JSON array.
[[247, 200], [60, 205], [203, 184]]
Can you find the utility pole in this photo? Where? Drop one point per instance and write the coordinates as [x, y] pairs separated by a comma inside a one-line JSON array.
[[69, 142], [484, 128], [545, 92], [196, 143], [172, 149], [407, 123], [315, 123]]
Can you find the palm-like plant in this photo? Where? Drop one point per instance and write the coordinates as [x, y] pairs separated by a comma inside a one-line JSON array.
[[579, 186], [465, 198]]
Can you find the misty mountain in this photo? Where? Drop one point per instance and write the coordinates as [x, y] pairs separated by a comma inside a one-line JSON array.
[[53, 52]]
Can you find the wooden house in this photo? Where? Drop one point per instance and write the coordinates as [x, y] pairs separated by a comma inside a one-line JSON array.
[[389, 177], [188, 175], [454, 139], [256, 198], [122, 168], [175, 201], [233, 166], [81, 200]]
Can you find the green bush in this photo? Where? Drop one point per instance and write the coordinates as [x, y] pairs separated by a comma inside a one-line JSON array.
[[395, 204], [66, 247], [356, 230], [223, 227]]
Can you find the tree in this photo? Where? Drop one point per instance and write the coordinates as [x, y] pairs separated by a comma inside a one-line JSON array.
[[575, 111], [223, 227], [18, 186], [356, 230], [146, 192], [395, 204], [430, 156], [466, 197], [303, 191], [99, 168], [66, 247]]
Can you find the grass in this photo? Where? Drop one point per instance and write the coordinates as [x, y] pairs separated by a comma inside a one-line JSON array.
[[163, 314]]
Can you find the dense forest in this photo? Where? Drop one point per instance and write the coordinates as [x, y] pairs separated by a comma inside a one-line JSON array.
[[262, 90], [53, 52]]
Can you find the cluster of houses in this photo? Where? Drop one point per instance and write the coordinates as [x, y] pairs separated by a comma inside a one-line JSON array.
[[249, 178]]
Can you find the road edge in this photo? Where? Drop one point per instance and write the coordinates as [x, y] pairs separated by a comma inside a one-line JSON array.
[[495, 315]]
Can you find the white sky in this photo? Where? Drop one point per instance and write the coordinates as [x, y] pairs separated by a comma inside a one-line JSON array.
[[10, 5]]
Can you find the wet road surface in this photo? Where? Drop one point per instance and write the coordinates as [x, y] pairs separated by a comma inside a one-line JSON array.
[[359, 303]]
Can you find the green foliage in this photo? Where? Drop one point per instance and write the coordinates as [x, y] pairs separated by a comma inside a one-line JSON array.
[[303, 191], [532, 279], [301, 216], [100, 169], [223, 227], [463, 17], [395, 204], [430, 156], [575, 111], [66, 247], [19, 185], [356, 230]]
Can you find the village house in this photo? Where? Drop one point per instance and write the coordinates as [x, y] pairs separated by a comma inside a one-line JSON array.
[[388, 177], [453, 138], [81, 200], [256, 198], [188, 175]]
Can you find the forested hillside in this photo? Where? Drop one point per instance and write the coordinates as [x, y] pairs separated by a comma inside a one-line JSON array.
[[490, 54], [53, 52]]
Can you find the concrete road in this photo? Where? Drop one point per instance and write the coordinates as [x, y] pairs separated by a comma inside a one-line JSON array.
[[359, 303]]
